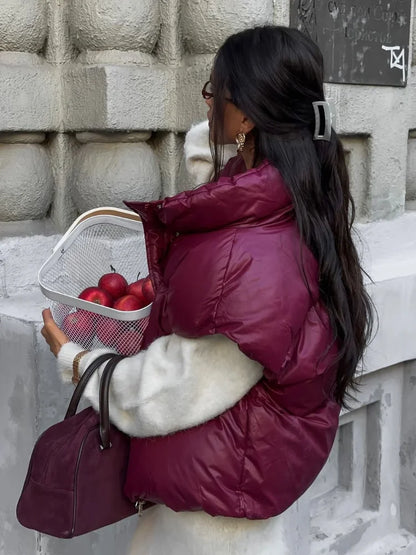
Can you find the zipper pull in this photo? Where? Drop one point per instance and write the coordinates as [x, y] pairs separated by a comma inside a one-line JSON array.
[[139, 506]]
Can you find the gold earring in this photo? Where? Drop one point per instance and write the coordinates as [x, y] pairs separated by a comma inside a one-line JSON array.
[[240, 139]]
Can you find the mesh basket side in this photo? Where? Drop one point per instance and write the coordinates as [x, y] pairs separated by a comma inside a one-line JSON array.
[[93, 331]]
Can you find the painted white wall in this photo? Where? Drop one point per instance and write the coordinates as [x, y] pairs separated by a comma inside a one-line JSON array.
[[95, 98]]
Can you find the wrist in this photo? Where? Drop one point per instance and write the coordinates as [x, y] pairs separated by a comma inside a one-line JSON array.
[[75, 366], [65, 359]]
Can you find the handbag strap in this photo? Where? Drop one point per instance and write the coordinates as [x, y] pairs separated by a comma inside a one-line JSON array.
[[79, 390], [104, 402]]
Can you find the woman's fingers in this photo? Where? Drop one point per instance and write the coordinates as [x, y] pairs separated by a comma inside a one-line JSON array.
[[47, 315], [54, 337]]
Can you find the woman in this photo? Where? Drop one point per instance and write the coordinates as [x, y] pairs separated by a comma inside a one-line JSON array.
[[260, 315]]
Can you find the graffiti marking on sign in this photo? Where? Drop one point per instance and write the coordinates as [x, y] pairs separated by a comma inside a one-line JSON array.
[[397, 60]]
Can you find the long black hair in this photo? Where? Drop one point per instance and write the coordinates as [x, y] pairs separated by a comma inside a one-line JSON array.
[[273, 74]]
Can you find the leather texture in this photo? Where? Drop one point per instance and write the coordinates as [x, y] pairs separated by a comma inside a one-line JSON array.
[[227, 258], [73, 486]]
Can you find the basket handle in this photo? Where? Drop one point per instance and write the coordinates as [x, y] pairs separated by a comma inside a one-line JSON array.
[[101, 211]]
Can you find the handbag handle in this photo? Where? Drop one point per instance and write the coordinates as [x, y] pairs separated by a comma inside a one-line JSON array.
[[79, 390], [104, 404]]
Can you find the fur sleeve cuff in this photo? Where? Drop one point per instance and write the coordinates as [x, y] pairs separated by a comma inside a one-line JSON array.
[[65, 358], [198, 157]]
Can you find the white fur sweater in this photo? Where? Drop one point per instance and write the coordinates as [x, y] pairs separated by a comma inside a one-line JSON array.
[[198, 157], [175, 384]]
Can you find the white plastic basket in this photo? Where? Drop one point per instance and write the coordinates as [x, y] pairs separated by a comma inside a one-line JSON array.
[[97, 240]]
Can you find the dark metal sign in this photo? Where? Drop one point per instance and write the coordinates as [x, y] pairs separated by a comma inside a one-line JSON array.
[[362, 41]]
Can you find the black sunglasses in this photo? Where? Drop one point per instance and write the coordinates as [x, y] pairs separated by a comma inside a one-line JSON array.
[[208, 94]]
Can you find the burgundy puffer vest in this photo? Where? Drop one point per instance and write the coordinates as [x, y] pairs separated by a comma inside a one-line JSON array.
[[225, 259]]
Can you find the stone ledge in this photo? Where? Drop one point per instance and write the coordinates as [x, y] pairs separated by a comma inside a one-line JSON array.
[[342, 535], [26, 228], [389, 254], [25, 307], [389, 257], [20, 261]]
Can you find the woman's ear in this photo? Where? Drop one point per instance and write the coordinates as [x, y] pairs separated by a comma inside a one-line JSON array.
[[247, 124]]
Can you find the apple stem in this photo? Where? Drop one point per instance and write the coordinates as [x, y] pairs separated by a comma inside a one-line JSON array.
[[138, 276], [112, 268]]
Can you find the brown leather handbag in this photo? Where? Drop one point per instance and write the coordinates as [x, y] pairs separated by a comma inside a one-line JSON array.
[[76, 474]]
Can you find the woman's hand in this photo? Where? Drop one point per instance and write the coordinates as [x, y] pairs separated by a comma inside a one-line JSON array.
[[54, 337]]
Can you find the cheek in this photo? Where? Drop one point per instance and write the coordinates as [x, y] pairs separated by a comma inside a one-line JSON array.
[[208, 102], [230, 130], [230, 126], [232, 123]]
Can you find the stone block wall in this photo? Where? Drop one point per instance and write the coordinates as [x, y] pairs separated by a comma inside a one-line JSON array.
[[95, 99]]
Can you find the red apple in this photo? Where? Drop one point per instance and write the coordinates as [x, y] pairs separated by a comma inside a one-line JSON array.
[[136, 289], [129, 342], [142, 289], [96, 295], [113, 283], [129, 302], [108, 330], [79, 325], [148, 290]]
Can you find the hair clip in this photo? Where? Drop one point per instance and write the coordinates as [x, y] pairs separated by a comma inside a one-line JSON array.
[[323, 121]]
